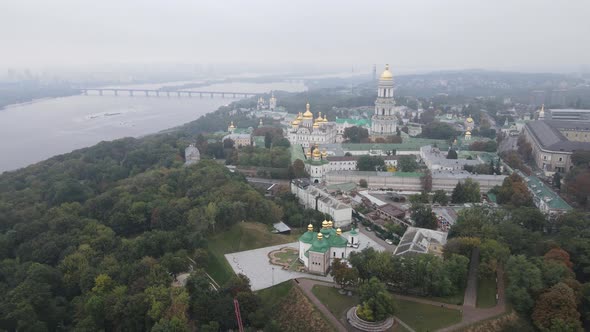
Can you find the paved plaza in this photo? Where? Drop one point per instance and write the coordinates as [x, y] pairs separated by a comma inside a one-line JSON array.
[[256, 266]]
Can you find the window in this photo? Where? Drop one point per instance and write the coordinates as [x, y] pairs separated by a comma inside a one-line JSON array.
[[560, 158]]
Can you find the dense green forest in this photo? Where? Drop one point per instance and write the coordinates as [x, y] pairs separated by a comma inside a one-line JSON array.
[[92, 239]]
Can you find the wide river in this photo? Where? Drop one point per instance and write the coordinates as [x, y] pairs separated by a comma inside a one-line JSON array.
[[36, 131]]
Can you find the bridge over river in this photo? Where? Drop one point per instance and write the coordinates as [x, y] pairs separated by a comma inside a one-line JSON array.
[[162, 93]]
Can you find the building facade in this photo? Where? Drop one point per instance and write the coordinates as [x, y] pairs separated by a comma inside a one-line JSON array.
[[553, 142], [318, 250], [312, 197], [308, 131], [191, 155], [384, 120]]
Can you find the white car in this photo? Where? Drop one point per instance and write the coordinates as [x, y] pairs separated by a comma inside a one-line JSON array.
[[388, 241]]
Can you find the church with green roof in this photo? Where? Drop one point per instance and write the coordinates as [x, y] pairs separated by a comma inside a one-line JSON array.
[[317, 250]]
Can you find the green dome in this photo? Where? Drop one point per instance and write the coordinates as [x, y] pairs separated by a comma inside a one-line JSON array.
[[307, 237]]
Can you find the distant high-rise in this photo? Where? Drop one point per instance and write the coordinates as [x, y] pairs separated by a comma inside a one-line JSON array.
[[384, 121], [374, 73], [537, 97], [558, 97]]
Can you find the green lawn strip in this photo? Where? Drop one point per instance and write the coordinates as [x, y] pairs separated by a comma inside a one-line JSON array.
[[425, 317], [486, 292], [337, 303], [451, 299]]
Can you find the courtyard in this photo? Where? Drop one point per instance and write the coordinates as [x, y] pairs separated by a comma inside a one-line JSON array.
[[256, 265]]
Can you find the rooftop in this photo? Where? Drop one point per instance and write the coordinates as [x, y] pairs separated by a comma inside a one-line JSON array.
[[545, 193], [421, 241], [546, 133], [297, 152], [409, 144]]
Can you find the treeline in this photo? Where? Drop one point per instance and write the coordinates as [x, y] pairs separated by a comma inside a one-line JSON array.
[[92, 240], [546, 262]]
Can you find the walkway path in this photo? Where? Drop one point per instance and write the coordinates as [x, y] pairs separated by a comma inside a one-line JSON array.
[[470, 313], [306, 285], [470, 299]]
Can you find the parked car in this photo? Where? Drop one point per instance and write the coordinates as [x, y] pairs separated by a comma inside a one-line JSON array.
[[388, 241], [368, 229]]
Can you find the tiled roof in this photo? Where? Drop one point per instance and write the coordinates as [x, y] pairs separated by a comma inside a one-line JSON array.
[[550, 138]]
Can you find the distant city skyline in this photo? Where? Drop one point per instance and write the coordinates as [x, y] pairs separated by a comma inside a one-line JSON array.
[[412, 36]]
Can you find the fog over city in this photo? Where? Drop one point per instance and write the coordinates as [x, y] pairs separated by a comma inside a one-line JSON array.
[[529, 35]]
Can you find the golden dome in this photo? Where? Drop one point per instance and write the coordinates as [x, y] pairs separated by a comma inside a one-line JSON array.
[[325, 119], [386, 74], [307, 114], [320, 236], [300, 116], [308, 153], [338, 231], [324, 223], [324, 153], [295, 122], [310, 228], [319, 118], [231, 125], [316, 125], [330, 224], [467, 133], [316, 153], [470, 119]]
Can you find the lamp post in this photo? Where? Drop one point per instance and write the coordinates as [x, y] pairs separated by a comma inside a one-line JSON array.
[[273, 276]]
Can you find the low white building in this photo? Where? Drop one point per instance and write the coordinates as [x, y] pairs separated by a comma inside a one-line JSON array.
[[191, 155], [421, 241], [402, 181], [312, 197], [437, 160]]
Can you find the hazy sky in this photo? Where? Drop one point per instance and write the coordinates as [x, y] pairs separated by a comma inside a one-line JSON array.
[[437, 34]]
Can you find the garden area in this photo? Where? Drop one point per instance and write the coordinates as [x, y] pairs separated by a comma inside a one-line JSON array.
[[287, 258], [240, 237]]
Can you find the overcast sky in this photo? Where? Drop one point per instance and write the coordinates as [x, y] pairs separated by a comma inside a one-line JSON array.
[[437, 34]]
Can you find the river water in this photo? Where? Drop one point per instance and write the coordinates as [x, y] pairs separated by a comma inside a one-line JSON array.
[[36, 131]]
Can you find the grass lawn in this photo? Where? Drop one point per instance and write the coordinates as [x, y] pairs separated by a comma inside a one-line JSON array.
[[452, 299], [272, 296], [337, 303], [241, 236], [425, 317], [400, 328], [486, 292]]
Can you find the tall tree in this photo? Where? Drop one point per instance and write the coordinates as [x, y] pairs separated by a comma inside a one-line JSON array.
[[407, 163], [370, 163], [452, 154], [423, 216], [555, 310]]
